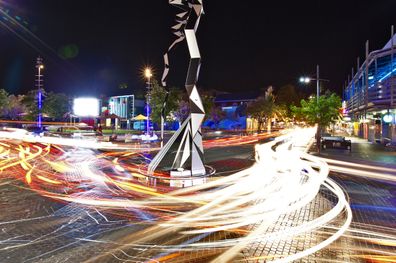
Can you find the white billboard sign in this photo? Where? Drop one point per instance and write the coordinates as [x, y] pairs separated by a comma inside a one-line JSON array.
[[86, 107]]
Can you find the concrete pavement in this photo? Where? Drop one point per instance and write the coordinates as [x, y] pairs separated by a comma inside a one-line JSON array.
[[368, 176], [363, 151]]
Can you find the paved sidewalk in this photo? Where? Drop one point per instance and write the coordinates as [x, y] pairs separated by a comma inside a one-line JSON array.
[[368, 175], [362, 151]]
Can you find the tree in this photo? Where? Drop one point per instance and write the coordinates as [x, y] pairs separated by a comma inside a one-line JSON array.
[[182, 112], [3, 101], [208, 103], [56, 105], [14, 108], [216, 115], [322, 113], [29, 101], [282, 112], [157, 97], [263, 109], [287, 95], [212, 112]]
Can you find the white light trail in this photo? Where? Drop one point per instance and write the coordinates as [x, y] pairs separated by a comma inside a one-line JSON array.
[[281, 182], [249, 203]]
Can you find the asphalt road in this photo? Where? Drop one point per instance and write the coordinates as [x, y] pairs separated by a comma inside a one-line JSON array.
[[34, 228]]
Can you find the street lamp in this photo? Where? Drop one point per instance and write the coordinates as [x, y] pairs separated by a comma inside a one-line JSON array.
[[148, 74], [307, 80]]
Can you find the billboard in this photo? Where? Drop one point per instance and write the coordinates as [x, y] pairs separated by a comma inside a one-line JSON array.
[[86, 107]]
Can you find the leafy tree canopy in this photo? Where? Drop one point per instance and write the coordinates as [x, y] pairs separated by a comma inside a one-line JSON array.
[[263, 108], [157, 98], [29, 101], [14, 108], [56, 105], [324, 113], [287, 95], [3, 98]]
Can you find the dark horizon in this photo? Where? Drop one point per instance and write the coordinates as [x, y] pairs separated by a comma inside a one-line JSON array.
[[92, 47]]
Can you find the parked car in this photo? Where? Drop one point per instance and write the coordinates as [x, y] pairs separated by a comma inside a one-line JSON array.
[[337, 142]]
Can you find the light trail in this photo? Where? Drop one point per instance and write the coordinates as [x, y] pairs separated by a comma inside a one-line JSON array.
[[359, 165], [222, 217], [361, 170]]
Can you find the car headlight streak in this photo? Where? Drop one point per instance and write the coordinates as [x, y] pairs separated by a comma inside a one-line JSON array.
[[283, 180]]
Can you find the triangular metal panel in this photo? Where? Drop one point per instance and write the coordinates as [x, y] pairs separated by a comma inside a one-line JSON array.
[[197, 9], [182, 14], [192, 43], [168, 154], [180, 151], [196, 99], [186, 151], [176, 2], [197, 166], [177, 26], [196, 121], [198, 140], [193, 68]]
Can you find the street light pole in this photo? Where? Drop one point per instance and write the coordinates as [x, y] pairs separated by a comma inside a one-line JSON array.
[[162, 118], [39, 66], [307, 80], [318, 132], [317, 84], [148, 75]]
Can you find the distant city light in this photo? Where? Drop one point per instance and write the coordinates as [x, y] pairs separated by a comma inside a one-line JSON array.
[[86, 107]]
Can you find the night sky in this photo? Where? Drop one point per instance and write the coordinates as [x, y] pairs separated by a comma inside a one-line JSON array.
[[90, 47]]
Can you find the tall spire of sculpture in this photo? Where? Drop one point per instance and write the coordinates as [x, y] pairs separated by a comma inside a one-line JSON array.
[[185, 150]]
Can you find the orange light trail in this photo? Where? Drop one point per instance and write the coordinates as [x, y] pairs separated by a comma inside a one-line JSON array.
[[259, 195]]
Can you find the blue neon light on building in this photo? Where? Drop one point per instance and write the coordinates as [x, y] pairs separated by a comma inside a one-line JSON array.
[[373, 85]]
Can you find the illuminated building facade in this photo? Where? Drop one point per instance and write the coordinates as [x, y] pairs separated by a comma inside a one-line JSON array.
[[370, 95], [125, 107], [122, 106]]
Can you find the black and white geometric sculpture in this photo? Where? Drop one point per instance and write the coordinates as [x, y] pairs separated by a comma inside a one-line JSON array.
[[184, 151]]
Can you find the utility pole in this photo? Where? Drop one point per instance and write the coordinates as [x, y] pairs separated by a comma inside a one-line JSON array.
[[39, 85]]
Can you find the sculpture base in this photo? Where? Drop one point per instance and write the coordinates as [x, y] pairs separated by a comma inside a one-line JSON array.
[[185, 178], [185, 173]]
